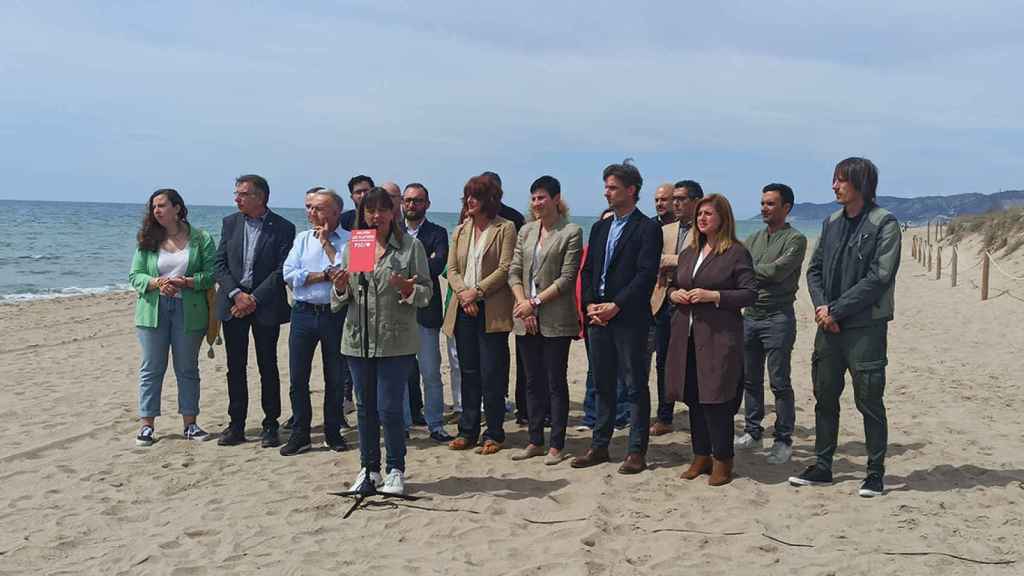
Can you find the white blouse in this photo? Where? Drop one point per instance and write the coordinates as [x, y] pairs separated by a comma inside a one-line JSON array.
[[170, 264]]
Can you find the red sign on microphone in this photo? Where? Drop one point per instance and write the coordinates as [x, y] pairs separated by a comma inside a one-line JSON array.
[[362, 251]]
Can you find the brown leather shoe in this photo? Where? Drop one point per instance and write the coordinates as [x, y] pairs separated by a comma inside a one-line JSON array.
[[700, 465], [659, 428], [634, 463], [460, 443], [721, 473], [593, 457]]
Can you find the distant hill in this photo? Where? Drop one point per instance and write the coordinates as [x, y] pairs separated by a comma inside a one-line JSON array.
[[923, 208]]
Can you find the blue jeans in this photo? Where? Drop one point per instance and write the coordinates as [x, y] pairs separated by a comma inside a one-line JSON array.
[[590, 405], [429, 359], [769, 339], [310, 328], [618, 351], [169, 334], [381, 386]]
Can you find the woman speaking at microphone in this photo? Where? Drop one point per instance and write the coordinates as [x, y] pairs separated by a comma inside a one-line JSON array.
[[380, 337]]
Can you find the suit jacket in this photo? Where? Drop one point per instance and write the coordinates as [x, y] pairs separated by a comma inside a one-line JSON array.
[[493, 274], [435, 242], [632, 271], [669, 262], [268, 284], [558, 265], [717, 330]]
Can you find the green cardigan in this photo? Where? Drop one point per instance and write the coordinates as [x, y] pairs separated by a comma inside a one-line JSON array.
[[200, 267]]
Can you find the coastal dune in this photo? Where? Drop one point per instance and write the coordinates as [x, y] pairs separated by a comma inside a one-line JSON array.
[[78, 497]]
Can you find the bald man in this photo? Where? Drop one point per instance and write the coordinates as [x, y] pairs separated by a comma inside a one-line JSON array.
[[663, 204]]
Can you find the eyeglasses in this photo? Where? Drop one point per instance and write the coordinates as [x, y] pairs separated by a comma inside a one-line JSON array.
[[244, 194]]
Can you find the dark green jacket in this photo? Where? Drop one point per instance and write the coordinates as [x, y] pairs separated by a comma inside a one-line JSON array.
[[868, 276], [777, 261]]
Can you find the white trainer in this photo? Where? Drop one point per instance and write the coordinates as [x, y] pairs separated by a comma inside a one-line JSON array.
[[748, 442], [780, 453], [394, 483], [375, 479]]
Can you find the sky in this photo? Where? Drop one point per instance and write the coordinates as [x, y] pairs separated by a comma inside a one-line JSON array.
[[109, 101]]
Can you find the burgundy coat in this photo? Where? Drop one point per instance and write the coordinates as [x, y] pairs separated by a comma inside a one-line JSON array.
[[717, 330]]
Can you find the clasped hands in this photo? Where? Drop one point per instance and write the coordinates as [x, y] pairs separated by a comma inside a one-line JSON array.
[[171, 285], [601, 314], [683, 297], [825, 320], [525, 312]]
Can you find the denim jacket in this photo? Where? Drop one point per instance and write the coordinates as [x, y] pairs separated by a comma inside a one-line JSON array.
[[390, 319]]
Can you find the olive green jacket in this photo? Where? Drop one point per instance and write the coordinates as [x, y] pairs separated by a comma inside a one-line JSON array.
[[391, 321], [201, 254], [870, 260], [558, 265]]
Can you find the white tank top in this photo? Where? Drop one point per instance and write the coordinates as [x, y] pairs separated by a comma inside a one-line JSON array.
[[170, 264]]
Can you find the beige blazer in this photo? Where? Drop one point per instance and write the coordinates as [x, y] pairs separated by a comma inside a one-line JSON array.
[[493, 274], [558, 264], [669, 262]]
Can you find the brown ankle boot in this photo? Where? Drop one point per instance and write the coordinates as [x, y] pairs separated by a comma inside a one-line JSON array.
[[721, 473], [700, 465]]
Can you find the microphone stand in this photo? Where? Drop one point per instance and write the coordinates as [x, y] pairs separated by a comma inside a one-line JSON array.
[[366, 489]]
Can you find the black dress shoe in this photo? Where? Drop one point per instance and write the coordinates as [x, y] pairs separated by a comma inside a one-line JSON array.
[[231, 436], [270, 438], [296, 445], [441, 437], [335, 443]]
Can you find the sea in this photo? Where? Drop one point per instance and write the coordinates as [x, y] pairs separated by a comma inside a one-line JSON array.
[[59, 249]]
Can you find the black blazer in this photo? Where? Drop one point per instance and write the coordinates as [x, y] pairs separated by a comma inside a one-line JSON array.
[[632, 271], [268, 284], [435, 242]]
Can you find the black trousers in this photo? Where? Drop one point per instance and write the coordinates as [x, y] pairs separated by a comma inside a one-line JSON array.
[[236, 343], [415, 392], [545, 361], [711, 427], [484, 363]]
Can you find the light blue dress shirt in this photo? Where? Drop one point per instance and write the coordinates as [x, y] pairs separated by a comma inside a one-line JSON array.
[[306, 256], [609, 248]]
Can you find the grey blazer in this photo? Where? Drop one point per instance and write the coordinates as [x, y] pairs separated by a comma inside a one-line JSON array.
[[558, 264]]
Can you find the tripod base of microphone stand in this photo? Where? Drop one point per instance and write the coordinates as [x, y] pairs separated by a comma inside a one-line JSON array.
[[368, 490]]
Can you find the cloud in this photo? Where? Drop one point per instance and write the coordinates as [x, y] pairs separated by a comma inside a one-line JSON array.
[[734, 96]]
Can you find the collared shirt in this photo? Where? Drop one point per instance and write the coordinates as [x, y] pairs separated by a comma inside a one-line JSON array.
[[618, 224], [414, 231], [681, 237], [306, 256], [253, 229]]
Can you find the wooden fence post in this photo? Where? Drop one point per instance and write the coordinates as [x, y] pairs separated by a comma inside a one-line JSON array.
[[956, 253], [929, 257], [984, 276], [928, 231], [938, 263]]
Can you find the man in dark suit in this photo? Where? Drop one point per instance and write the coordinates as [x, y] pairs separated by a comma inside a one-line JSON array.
[[416, 201], [358, 186], [251, 297], [618, 277]]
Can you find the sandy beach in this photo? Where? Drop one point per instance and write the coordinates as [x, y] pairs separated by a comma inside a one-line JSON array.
[[77, 496]]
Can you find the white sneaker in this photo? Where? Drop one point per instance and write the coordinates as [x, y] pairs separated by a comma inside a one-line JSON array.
[[780, 453], [375, 479], [748, 442], [394, 483]]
